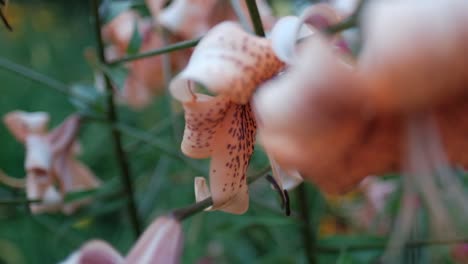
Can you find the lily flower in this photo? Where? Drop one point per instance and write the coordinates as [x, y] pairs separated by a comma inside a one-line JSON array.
[[380, 113], [231, 64], [145, 77], [50, 160], [160, 243]]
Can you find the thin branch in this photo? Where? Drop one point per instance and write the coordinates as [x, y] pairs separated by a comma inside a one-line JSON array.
[[255, 17], [40, 78], [113, 117], [170, 48], [195, 208]]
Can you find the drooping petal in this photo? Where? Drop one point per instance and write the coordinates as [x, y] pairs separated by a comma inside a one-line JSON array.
[[421, 66], [62, 137], [162, 242], [203, 117], [288, 30], [21, 124], [95, 252], [323, 131], [39, 186], [232, 148], [230, 62]]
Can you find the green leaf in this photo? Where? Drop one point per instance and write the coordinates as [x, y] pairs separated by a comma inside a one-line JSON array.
[[136, 40]]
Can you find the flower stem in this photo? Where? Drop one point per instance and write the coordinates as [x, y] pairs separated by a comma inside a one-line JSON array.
[[113, 118], [39, 78], [186, 212], [170, 48], [255, 17]]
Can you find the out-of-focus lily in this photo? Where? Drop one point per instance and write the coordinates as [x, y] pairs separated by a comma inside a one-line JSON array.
[[399, 107], [50, 161], [162, 242], [193, 18], [145, 77], [414, 54], [231, 64]]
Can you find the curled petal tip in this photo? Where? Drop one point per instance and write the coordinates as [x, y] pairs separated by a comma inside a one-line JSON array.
[[162, 242]]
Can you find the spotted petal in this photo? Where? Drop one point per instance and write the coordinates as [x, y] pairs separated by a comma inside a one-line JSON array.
[[203, 118], [230, 62]]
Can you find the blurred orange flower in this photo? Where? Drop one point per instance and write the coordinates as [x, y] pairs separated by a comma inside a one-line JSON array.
[[50, 160]]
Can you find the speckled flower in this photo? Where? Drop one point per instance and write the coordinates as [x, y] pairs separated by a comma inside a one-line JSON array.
[[231, 64], [50, 160]]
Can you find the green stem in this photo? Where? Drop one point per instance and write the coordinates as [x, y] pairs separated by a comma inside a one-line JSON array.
[[308, 235], [166, 49], [113, 118], [255, 17], [39, 78], [186, 212]]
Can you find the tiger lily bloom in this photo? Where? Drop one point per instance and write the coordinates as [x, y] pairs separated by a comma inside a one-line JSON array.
[[229, 63], [160, 243], [50, 160], [380, 113]]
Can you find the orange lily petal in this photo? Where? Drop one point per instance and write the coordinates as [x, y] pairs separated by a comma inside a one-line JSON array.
[[233, 146], [203, 117], [228, 61], [403, 68], [160, 243]]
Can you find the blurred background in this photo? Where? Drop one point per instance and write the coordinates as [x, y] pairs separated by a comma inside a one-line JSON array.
[[52, 37]]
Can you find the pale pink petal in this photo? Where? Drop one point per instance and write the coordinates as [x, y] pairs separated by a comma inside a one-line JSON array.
[[287, 180], [63, 136], [188, 18], [119, 31], [418, 67], [320, 123], [95, 252], [288, 30], [162, 242], [232, 148], [228, 61], [38, 153], [203, 117], [202, 191], [21, 124]]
